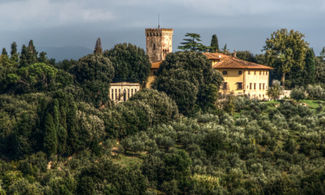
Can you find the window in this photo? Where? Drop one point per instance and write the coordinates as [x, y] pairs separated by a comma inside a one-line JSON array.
[[263, 85], [266, 72], [260, 86], [250, 86], [224, 72], [254, 72], [240, 72], [115, 94], [224, 86], [154, 47], [112, 94], [239, 85], [260, 72], [124, 95], [254, 85], [249, 72]]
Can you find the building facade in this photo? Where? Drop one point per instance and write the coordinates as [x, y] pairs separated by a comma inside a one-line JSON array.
[[121, 92], [241, 77], [159, 42]]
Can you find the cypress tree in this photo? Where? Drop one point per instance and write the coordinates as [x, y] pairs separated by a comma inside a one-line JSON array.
[[23, 56], [225, 49], [73, 138], [50, 142], [214, 46], [310, 67], [13, 53], [61, 131], [98, 47], [4, 52], [42, 57], [13, 49], [31, 53]]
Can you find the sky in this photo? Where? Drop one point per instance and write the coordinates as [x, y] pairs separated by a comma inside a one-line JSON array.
[[241, 24]]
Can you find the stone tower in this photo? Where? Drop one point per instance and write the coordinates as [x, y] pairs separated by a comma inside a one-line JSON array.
[[159, 42]]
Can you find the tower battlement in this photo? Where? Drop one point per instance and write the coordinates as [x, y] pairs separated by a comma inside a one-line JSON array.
[[159, 42], [157, 31]]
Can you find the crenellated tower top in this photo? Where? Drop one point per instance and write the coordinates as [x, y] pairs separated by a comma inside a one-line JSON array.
[[159, 42]]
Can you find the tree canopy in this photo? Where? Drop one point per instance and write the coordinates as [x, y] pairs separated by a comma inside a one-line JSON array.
[[275, 90], [188, 78], [285, 50], [130, 62], [94, 73], [192, 42]]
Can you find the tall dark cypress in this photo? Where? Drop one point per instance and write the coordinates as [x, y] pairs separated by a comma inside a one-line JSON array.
[[214, 46], [310, 69], [32, 53], [24, 56], [50, 142], [14, 52], [98, 47], [4, 52], [13, 49]]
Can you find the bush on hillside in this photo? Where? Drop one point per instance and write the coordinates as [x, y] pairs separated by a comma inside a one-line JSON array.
[[298, 93]]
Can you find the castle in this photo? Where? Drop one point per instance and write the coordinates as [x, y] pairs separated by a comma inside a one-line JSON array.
[[159, 42], [240, 77]]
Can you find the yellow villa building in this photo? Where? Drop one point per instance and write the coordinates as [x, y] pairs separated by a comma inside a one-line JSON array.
[[241, 77]]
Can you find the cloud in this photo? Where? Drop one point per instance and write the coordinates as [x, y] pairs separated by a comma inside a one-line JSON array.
[[20, 14]]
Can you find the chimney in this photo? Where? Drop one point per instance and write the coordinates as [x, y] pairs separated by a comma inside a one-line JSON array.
[[234, 54]]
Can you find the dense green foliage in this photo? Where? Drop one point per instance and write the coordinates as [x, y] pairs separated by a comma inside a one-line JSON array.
[[246, 55], [303, 76], [147, 108], [320, 71], [286, 50], [265, 149], [30, 73], [60, 134], [188, 78], [130, 62], [192, 42], [94, 73]]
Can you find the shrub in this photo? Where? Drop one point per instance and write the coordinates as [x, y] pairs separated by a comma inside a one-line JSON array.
[[298, 93], [315, 92]]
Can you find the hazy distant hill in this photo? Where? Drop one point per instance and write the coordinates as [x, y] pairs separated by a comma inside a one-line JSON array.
[[70, 52]]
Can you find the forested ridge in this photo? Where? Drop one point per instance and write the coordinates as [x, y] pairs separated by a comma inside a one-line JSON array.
[[60, 133]]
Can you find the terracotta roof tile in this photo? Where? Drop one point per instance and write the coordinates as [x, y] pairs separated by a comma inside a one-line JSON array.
[[214, 56], [155, 65], [226, 62], [230, 62]]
